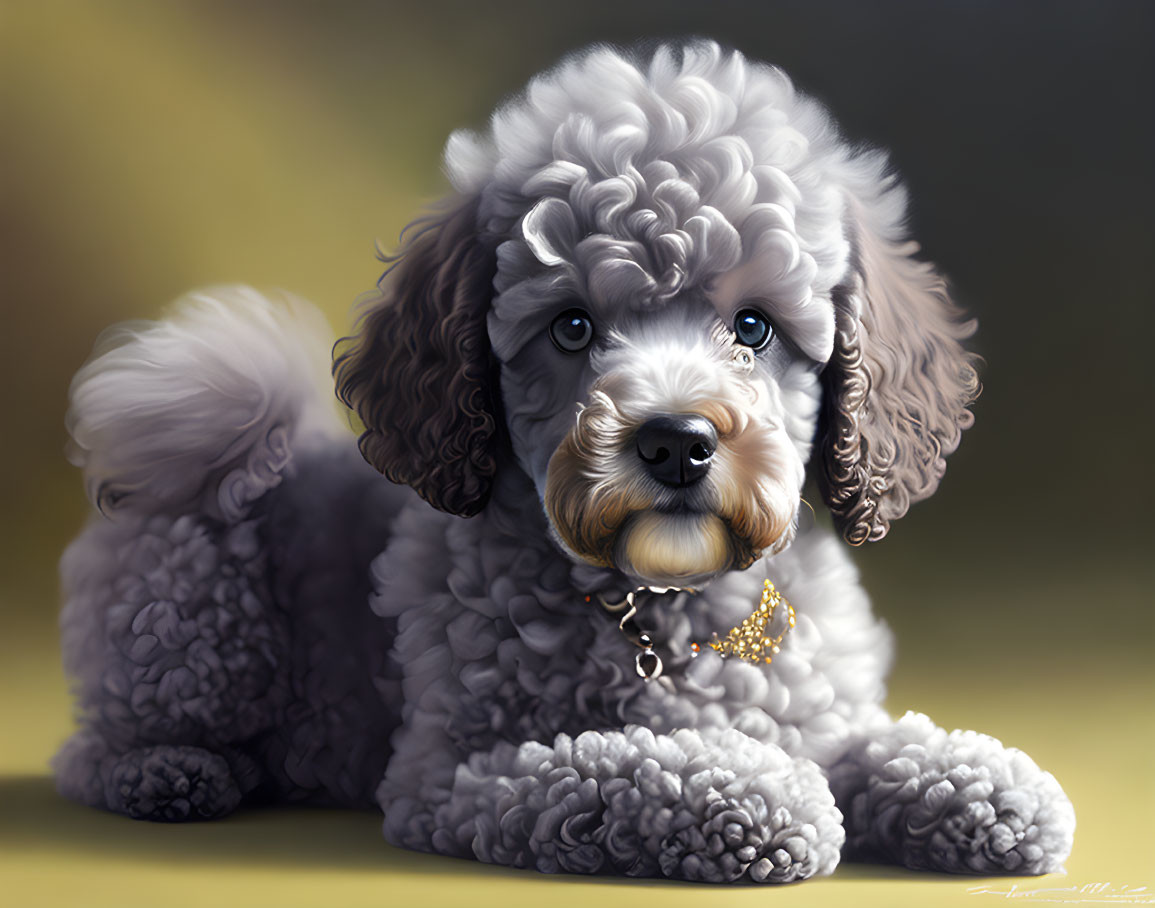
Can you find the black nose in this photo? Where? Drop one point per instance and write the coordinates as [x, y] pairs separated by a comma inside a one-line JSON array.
[[677, 449]]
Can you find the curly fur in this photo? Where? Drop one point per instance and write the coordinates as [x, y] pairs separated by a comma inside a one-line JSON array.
[[218, 631], [418, 371], [957, 802], [210, 641], [666, 808], [899, 384]]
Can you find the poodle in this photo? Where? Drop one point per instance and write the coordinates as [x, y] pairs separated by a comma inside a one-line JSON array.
[[664, 293]]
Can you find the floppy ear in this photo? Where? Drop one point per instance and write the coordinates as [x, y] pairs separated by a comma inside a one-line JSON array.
[[899, 382], [418, 372]]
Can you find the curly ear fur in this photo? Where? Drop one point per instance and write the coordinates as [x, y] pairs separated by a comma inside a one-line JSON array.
[[418, 372], [899, 382]]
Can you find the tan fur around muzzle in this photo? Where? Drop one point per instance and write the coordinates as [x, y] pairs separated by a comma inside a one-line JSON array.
[[602, 504]]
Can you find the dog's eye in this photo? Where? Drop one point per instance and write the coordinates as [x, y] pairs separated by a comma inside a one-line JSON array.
[[753, 328], [571, 331]]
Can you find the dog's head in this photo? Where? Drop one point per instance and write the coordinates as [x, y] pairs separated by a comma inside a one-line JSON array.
[[668, 287]]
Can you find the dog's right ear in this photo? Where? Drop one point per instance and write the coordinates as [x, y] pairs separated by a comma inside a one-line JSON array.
[[900, 382], [418, 372]]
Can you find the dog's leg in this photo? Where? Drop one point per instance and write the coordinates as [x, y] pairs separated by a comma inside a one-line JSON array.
[[958, 802], [710, 806], [179, 658], [168, 783]]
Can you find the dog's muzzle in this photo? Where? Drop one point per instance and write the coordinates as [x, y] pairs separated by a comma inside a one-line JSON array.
[[676, 468]]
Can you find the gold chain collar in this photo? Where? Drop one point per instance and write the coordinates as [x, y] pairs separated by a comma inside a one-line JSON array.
[[750, 641]]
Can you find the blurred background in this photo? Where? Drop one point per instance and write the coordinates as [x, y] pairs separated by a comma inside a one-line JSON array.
[[149, 148]]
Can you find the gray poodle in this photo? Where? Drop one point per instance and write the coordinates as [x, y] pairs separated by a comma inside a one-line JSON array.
[[664, 292]]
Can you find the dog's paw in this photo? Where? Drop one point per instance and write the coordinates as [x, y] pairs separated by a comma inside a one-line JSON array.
[[959, 803], [705, 807], [749, 811], [171, 784], [737, 840]]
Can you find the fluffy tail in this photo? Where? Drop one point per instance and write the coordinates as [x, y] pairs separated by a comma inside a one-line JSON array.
[[203, 410]]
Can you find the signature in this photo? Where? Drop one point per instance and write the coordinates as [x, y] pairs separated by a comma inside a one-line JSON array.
[[1089, 893]]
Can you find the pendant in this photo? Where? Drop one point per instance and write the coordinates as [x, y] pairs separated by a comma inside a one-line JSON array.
[[647, 663]]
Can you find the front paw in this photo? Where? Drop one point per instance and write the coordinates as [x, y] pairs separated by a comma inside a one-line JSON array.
[[737, 839], [959, 803], [690, 806]]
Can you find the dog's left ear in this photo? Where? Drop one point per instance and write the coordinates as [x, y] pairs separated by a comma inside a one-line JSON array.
[[899, 382], [419, 371]]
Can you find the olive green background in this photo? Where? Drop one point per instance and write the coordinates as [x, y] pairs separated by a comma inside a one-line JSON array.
[[148, 148]]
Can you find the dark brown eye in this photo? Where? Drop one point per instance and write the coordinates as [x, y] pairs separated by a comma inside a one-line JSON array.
[[571, 331], [753, 329]]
